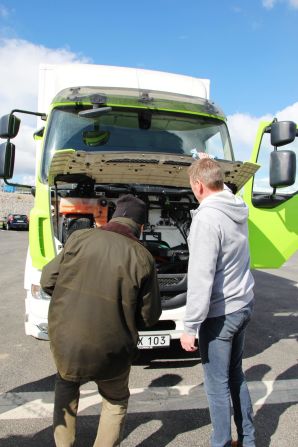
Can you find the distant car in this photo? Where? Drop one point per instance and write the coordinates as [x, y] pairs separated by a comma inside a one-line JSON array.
[[17, 222]]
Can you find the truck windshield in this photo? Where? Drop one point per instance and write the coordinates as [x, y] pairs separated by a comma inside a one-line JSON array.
[[135, 130]]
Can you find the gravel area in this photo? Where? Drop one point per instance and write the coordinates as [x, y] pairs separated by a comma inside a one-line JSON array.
[[15, 203]]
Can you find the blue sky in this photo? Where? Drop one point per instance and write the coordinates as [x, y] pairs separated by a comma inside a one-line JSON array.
[[247, 48]]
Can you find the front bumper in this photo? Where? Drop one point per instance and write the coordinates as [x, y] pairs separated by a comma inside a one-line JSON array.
[[36, 320], [36, 317]]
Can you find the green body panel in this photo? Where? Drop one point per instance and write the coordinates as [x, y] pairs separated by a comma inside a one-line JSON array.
[[273, 233], [41, 241], [191, 111]]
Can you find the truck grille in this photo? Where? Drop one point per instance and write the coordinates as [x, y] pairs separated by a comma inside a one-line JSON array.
[[175, 282], [172, 290]]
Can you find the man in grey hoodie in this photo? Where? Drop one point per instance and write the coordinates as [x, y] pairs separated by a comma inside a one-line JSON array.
[[220, 300]]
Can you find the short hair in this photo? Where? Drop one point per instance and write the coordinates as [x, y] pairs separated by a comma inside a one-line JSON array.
[[207, 171]]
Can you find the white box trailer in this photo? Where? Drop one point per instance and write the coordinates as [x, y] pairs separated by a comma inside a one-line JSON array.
[[55, 78]]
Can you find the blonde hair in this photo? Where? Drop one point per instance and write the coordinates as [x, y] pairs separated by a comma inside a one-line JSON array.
[[207, 171]]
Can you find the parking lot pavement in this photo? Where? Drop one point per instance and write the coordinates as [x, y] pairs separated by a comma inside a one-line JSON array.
[[168, 406], [35, 405], [169, 413]]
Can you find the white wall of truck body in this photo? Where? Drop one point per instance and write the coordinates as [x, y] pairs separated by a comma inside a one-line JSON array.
[[54, 78]]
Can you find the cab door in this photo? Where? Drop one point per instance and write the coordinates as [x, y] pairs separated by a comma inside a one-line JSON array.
[[273, 212]]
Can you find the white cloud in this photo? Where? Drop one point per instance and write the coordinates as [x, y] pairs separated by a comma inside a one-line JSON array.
[[4, 12], [19, 86], [290, 113], [293, 3], [243, 128], [269, 4], [19, 70], [25, 152]]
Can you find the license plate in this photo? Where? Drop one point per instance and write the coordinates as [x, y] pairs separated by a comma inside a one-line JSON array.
[[153, 341]]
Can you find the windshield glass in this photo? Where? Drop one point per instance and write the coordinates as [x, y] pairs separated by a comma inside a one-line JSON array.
[[139, 130]]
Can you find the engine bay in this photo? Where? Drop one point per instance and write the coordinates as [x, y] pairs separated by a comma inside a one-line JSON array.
[[77, 202]]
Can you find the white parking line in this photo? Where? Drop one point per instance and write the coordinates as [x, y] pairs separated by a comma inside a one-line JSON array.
[[29, 405]]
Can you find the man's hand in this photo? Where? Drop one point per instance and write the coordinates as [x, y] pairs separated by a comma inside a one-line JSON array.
[[188, 342]]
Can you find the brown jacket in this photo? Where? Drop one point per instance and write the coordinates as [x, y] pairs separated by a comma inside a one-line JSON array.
[[104, 288]]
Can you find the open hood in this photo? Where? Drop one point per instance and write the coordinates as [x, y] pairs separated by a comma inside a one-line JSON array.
[[140, 168]]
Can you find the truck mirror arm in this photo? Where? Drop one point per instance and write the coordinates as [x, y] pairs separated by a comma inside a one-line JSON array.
[[17, 184], [43, 116]]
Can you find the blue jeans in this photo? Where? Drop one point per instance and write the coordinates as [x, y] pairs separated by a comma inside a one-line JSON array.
[[221, 343]]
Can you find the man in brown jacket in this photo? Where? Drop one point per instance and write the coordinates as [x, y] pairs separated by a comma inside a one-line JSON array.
[[104, 289]]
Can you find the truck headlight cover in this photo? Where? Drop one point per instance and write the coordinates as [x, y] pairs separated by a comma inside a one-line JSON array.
[[38, 293]]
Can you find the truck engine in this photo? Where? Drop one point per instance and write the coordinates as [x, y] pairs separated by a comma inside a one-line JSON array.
[[79, 203]]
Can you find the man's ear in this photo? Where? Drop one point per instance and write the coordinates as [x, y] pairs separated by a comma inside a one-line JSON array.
[[198, 186], [201, 187]]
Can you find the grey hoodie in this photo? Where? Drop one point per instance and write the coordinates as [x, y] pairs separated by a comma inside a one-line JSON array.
[[219, 277]]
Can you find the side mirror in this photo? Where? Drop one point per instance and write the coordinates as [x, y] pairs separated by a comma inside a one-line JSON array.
[[282, 168], [7, 153], [283, 132], [9, 126]]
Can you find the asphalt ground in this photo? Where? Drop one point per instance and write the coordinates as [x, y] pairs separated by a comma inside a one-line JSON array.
[[168, 406]]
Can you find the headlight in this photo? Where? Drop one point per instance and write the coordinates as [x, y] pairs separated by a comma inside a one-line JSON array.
[[38, 293]]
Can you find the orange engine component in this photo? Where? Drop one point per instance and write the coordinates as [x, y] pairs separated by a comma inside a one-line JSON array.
[[74, 205]]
